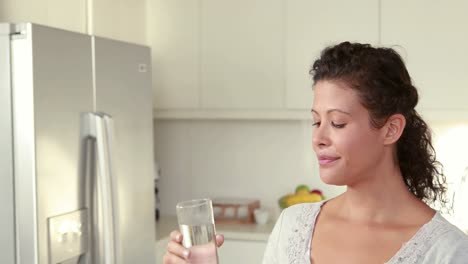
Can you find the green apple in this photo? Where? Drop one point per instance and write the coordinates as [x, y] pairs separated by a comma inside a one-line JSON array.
[[302, 189]]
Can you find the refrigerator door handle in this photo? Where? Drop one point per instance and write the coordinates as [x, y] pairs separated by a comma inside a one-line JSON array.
[[101, 128], [104, 160]]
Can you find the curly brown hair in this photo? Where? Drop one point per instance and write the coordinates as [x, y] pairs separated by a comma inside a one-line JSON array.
[[384, 86]]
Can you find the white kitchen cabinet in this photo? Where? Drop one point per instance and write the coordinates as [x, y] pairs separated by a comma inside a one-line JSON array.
[[174, 35], [120, 19], [23, 10], [432, 36], [246, 59], [242, 54], [65, 14], [241, 251], [312, 25]]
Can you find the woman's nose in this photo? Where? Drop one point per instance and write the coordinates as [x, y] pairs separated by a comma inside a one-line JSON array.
[[320, 137]]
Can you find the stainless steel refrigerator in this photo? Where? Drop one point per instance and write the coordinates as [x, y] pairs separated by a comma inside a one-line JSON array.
[[76, 148]]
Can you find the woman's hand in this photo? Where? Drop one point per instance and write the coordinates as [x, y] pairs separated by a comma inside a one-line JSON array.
[[178, 254]]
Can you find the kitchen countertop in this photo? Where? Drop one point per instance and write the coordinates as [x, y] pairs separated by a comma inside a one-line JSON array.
[[252, 232]]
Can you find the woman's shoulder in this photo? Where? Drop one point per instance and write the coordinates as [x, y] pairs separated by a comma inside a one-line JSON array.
[[449, 243], [302, 212], [448, 231], [289, 240]]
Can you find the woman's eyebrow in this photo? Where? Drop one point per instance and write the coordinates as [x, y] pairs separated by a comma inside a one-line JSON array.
[[332, 110]]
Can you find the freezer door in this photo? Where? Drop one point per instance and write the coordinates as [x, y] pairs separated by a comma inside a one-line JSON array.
[[52, 79], [123, 91], [7, 225], [62, 92]]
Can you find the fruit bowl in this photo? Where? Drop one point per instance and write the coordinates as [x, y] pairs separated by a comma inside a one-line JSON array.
[[302, 194]]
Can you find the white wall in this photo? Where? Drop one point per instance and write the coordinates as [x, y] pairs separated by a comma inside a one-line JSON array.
[[451, 145], [266, 159], [254, 159]]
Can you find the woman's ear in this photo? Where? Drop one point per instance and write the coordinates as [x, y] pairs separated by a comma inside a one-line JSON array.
[[393, 128]]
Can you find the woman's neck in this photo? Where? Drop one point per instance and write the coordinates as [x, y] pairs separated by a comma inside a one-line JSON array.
[[379, 198]]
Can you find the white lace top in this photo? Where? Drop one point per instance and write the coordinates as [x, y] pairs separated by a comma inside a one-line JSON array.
[[438, 241]]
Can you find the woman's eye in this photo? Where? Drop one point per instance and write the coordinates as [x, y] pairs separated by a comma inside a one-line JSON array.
[[316, 124], [338, 125]]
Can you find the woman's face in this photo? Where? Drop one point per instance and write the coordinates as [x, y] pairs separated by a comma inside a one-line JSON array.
[[348, 148]]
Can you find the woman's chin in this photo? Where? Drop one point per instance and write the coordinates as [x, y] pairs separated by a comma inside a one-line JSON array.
[[333, 179]]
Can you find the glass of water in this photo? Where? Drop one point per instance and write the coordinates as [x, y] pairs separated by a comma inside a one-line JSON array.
[[196, 224]]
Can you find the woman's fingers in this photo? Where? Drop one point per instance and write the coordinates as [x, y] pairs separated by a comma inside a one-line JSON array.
[[219, 240], [178, 250], [178, 254], [175, 253], [176, 236], [175, 245]]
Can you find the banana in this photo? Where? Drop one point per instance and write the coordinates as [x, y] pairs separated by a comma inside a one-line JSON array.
[[293, 199]]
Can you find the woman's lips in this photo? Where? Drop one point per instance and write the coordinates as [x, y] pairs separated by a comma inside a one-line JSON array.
[[324, 160]]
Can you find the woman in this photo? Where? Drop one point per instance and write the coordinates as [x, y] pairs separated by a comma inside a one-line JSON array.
[[368, 136]]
